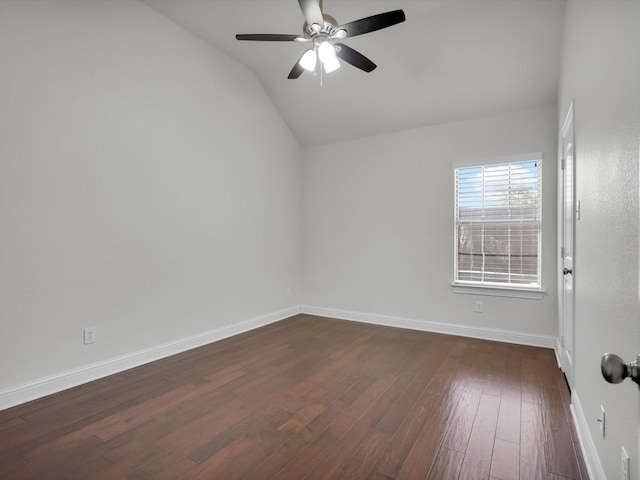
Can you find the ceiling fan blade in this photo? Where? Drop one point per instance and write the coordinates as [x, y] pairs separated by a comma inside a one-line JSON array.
[[296, 71], [355, 58], [373, 23], [312, 12], [271, 37]]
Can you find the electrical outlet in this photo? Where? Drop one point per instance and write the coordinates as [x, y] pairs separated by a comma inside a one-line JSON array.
[[289, 292], [624, 473], [601, 421], [479, 307], [89, 335]]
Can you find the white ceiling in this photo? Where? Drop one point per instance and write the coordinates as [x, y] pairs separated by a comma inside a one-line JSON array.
[[451, 60]]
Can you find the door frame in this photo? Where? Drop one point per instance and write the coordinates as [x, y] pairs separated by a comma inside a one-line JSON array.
[[566, 349]]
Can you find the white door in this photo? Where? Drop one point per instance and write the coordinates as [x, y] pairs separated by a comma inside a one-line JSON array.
[[567, 233]]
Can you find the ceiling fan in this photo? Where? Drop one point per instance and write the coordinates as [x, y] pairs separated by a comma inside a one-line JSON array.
[[324, 33]]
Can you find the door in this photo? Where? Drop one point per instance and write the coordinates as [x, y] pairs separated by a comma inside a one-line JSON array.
[[567, 246]]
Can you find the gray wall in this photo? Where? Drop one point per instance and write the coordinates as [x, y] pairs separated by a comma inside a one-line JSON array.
[[148, 187], [378, 231], [601, 74]]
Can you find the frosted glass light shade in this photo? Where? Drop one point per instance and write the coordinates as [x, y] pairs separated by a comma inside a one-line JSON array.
[[326, 52], [308, 60], [331, 64]]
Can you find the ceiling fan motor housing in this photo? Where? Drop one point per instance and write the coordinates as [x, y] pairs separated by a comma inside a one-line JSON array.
[[329, 29]]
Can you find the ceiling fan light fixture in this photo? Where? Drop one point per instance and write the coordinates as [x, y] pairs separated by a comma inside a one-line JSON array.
[[321, 30], [326, 52], [309, 60], [331, 64]]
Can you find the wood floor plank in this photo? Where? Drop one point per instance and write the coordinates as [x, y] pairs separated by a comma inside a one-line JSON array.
[[131, 451], [533, 463], [230, 462], [557, 435], [396, 415], [308, 397], [505, 461], [33, 436], [447, 465], [316, 451], [302, 418], [477, 458], [16, 467], [427, 412], [12, 422], [138, 414], [344, 449], [362, 462], [423, 452], [495, 375], [513, 370], [464, 407], [375, 475], [63, 446], [298, 443], [508, 427]]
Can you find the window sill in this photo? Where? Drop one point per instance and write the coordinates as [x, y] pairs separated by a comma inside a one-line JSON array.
[[498, 291]]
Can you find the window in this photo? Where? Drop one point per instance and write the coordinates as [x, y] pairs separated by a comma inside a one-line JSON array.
[[498, 210]]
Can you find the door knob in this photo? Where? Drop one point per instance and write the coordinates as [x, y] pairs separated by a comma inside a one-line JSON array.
[[567, 271], [614, 370]]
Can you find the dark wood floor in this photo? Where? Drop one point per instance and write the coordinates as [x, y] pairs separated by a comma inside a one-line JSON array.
[[309, 398]]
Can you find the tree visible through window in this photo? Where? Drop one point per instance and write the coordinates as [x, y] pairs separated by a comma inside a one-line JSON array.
[[498, 223]]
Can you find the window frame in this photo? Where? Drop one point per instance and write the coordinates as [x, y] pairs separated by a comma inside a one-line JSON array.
[[497, 288]]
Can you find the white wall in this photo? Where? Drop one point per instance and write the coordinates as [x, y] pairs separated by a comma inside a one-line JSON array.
[[148, 187], [601, 73], [378, 222]]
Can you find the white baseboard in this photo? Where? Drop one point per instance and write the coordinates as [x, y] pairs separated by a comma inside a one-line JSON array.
[[41, 387], [557, 349], [506, 336], [589, 452]]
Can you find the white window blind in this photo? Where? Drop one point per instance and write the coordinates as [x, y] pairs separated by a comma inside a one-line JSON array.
[[498, 210]]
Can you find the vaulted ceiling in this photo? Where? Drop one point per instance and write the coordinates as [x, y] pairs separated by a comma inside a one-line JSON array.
[[450, 60]]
